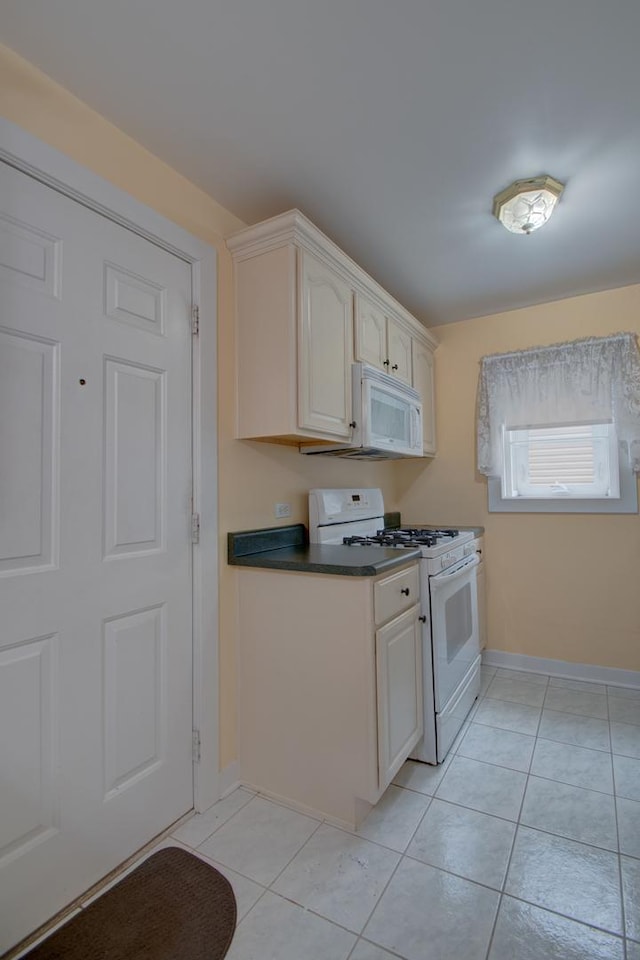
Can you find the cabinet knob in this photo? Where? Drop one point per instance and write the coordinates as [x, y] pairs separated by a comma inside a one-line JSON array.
[[385, 363], [422, 619], [395, 366], [405, 591], [353, 424]]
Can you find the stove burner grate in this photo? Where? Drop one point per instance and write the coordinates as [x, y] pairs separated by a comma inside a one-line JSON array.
[[402, 538]]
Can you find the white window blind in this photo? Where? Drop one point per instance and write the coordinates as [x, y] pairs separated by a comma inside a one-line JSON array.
[[578, 460], [561, 455]]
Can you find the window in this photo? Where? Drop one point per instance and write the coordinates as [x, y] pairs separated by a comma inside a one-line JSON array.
[[559, 427], [577, 460]]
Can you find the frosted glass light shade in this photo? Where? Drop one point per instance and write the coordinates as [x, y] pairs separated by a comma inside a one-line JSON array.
[[526, 205]]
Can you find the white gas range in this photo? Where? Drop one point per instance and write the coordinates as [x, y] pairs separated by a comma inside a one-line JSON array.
[[448, 599]]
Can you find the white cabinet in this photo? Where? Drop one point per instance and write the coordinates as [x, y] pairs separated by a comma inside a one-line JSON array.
[[399, 350], [399, 691], [391, 346], [330, 680], [296, 332], [294, 335], [370, 334], [398, 650], [423, 381], [325, 355], [381, 340]]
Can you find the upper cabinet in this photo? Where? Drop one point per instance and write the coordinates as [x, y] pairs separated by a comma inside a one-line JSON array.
[[423, 381], [304, 312], [325, 355], [382, 341]]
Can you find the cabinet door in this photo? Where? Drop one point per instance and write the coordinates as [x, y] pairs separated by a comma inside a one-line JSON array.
[[424, 384], [325, 350], [398, 351], [399, 692], [370, 334]]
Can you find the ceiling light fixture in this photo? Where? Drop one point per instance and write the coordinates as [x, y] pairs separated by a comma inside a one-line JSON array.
[[526, 205]]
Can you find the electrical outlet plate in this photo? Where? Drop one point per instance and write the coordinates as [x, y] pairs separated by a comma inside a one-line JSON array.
[[282, 510]]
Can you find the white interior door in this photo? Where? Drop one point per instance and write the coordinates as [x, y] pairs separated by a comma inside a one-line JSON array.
[[95, 551]]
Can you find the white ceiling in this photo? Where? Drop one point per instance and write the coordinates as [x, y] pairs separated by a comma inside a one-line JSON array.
[[390, 125]]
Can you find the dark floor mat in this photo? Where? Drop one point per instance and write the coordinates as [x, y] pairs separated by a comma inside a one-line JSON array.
[[172, 907]]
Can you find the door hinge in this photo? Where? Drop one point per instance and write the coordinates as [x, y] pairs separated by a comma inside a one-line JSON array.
[[195, 320], [195, 528], [195, 746]]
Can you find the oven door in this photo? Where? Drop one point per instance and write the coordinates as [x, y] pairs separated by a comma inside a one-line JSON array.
[[454, 627]]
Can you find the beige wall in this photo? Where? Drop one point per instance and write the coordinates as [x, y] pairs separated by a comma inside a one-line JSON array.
[[561, 586], [253, 476], [574, 591]]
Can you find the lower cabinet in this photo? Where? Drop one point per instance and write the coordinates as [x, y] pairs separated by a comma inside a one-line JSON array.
[[399, 692], [330, 686]]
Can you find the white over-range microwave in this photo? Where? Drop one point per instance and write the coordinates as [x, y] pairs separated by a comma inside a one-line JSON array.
[[387, 419]]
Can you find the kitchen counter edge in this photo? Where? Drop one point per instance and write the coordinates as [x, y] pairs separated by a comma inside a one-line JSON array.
[[287, 548]]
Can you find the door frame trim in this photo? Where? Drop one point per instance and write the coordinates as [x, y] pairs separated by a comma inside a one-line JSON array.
[[25, 152]]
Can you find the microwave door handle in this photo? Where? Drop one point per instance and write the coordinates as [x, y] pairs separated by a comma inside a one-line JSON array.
[[457, 574]]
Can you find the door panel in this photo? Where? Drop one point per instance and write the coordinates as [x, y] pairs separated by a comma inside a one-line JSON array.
[[29, 256], [326, 350], [399, 692], [27, 702], [134, 458], [28, 383], [95, 479], [134, 691], [134, 300], [423, 381], [399, 343], [370, 334]]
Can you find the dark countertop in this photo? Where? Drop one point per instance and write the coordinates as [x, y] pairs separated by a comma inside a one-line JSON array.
[[286, 548]]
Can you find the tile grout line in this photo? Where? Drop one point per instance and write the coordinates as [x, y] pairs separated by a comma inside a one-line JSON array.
[[403, 855], [393, 872], [267, 888], [503, 893], [619, 852], [566, 916], [215, 829], [440, 869], [515, 833]]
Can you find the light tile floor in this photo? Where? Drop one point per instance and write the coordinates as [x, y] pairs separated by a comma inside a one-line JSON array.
[[523, 845]]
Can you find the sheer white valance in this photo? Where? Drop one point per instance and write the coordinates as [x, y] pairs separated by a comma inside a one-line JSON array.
[[593, 380]]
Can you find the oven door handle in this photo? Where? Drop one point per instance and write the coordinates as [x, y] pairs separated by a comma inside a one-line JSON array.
[[457, 572]]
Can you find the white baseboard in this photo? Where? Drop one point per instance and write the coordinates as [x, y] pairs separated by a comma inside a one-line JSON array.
[[229, 779], [303, 808], [562, 668]]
